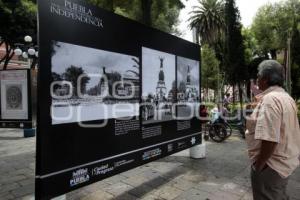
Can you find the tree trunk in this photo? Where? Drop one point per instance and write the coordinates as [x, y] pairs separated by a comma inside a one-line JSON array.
[[241, 99], [233, 94], [146, 9], [206, 90], [285, 66], [215, 96], [8, 55], [197, 37], [34, 63], [249, 90], [273, 53]]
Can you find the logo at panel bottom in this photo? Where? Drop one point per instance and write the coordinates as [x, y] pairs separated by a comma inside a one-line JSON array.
[[79, 176], [152, 153]]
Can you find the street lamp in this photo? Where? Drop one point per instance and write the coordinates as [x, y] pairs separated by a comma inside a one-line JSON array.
[[28, 38], [27, 50]]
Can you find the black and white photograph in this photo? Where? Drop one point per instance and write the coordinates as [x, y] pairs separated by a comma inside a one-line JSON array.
[[92, 84], [187, 87], [14, 94], [159, 86]]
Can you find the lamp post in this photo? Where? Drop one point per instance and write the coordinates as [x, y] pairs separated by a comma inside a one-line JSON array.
[[27, 51]]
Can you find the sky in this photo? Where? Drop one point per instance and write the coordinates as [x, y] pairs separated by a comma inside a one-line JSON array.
[[248, 9]]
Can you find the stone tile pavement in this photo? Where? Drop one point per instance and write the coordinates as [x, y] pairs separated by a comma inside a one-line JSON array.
[[222, 175]]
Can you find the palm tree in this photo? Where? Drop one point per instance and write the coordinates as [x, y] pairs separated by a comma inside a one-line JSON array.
[[136, 66], [72, 74], [208, 19]]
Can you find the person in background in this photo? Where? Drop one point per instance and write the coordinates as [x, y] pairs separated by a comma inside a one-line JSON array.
[[272, 135], [226, 101], [215, 113]]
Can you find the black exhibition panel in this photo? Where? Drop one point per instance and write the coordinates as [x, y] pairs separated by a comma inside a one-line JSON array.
[[113, 94]]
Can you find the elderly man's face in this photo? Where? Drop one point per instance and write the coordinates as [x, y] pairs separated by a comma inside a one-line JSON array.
[[262, 83]]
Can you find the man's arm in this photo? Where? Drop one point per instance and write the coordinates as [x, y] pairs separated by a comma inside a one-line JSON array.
[[266, 151]]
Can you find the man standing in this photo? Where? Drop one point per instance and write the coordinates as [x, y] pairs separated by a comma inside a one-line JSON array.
[[272, 135]]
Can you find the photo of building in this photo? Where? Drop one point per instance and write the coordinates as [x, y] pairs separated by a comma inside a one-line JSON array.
[[89, 84]]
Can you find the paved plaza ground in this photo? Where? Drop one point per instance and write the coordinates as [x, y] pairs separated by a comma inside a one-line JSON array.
[[222, 175]]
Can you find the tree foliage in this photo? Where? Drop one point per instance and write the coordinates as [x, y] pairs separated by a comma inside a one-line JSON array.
[[162, 15], [295, 54], [209, 68], [264, 30], [18, 19], [165, 15], [273, 24], [208, 19], [209, 22], [236, 70], [250, 44]]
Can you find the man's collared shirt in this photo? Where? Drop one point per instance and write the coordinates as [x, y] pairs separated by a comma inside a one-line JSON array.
[[275, 119]]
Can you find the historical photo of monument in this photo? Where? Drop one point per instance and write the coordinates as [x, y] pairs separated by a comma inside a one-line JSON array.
[[187, 87], [92, 84], [159, 86]]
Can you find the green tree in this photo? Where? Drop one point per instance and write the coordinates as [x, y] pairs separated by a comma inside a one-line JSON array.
[[236, 70], [162, 15], [129, 9], [295, 70], [209, 22], [263, 28], [146, 12], [208, 19], [273, 24], [165, 15], [250, 44], [105, 4], [18, 19], [209, 69]]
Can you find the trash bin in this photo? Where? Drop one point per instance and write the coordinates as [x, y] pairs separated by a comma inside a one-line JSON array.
[[198, 151]]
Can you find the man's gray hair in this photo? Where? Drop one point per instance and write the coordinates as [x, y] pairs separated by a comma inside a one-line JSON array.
[[272, 71]]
